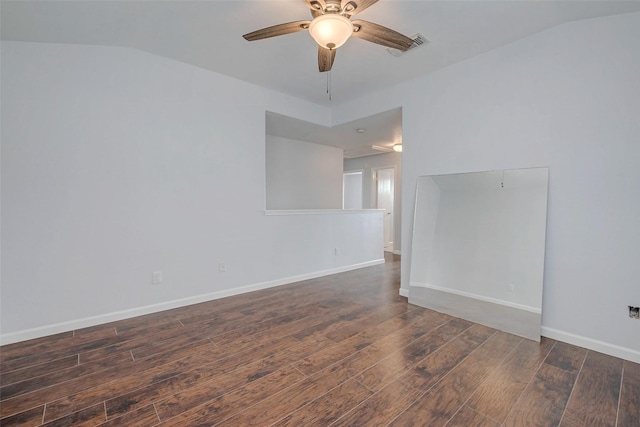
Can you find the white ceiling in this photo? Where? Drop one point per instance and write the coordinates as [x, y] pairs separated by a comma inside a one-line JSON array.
[[209, 33]]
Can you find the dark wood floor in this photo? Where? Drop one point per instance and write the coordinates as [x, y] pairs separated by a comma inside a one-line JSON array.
[[343, 350]]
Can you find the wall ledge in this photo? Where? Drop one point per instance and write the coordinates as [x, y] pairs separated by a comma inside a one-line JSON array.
[[321, 211]]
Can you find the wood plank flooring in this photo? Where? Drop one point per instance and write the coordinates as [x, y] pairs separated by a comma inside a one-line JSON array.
[[342, 350]]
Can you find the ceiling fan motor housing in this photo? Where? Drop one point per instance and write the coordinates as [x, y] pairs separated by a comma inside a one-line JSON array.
[[333, 6]]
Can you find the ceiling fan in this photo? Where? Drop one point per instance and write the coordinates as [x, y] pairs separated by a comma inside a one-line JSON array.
[[332, 26]]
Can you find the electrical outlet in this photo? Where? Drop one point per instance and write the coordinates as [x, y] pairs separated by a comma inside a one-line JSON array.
[[634, 312], [222, 267], [156, 277], [511, 287], [335, 251]]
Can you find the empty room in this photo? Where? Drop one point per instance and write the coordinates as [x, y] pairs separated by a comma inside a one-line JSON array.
[[319, 212]]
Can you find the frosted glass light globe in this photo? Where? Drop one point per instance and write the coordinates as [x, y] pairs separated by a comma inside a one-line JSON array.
[[331, 30]]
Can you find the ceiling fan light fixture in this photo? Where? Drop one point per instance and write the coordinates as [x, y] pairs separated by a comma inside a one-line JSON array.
[[331, 30]]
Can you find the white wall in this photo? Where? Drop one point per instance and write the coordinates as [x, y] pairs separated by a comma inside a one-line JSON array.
[[118, 163], [302, 175], [87, 213], [368, 164], [352, 190], [567, 98]]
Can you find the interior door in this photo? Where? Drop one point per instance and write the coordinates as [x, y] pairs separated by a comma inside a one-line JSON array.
[[384, 198]]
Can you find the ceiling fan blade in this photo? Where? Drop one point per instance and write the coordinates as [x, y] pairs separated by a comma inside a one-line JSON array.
[[380, 35], [325, 58], [351, 7], [277, 30]]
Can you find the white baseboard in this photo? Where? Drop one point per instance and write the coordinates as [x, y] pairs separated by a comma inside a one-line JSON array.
[[395, 252], [57, 328], [591, 344], [404, 293]]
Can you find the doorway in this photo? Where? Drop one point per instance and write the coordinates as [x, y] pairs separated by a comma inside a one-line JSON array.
[[384, 190]]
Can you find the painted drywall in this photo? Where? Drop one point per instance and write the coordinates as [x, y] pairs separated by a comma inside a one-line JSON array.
[[567, 98], [352, 190], [367, 165], [302, 175], [117, 163]]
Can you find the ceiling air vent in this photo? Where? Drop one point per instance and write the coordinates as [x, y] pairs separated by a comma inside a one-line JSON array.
[[418, 40]]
